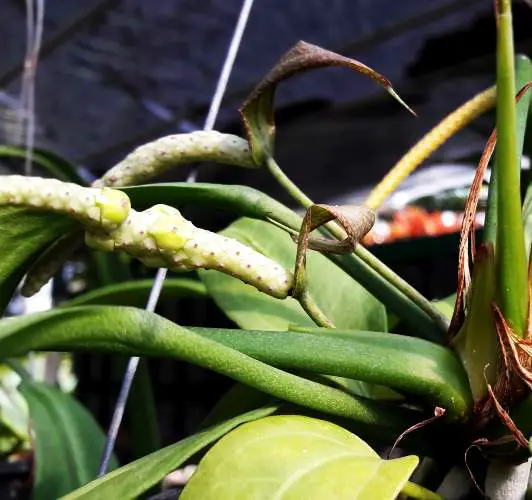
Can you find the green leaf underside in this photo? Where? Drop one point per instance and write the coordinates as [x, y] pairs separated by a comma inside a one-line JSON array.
[[135, 293], [346, 303], [133, 479], [294, 457], [24, 234], [137, 332], [68, 441]]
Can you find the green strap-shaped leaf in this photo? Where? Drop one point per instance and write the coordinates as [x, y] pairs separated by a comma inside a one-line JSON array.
[[130, 481], [68, 441], [510, 253], [137, 332], [406, 364], [290, 457]]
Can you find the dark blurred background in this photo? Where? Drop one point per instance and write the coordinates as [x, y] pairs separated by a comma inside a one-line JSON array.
[[115, 74]]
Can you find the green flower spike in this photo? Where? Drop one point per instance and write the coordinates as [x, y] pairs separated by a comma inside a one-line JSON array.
[[99, 208], [154, 158], [162, 237]]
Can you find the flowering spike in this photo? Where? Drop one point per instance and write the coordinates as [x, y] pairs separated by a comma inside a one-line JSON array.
[[154, 158], [101, 208], [159, 236]]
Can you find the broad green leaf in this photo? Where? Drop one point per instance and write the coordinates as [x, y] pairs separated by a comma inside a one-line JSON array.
[[290, 457], [135, 293], [345, 302], [249, 202], [68, 441], [133, 479], [54, 164], [24, 234], [137, 332]]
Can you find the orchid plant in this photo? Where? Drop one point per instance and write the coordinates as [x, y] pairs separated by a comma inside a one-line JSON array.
[[319, 371]]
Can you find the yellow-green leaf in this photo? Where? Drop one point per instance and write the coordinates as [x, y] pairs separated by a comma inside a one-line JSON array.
[[289, 457]]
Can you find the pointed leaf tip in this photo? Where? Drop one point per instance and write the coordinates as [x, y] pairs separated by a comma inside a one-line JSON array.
[[400, 100]]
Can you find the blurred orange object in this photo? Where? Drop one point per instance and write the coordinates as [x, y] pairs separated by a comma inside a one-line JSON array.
[[414, 222]]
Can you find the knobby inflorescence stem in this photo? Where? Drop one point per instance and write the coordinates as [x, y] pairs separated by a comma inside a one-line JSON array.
[[141, 165], [158, 237], [154, 158]]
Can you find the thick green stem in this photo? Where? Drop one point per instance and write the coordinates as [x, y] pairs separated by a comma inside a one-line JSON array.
[[511, 255], [523, 74], [363, 254], [313, 310]]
